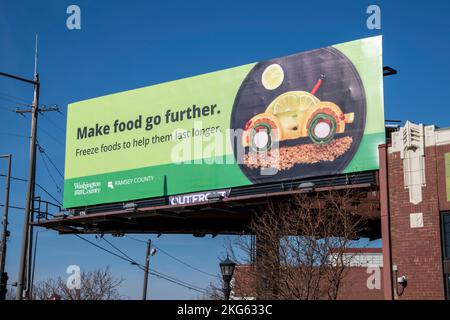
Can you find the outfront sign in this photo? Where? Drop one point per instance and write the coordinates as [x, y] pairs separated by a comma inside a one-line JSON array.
[[309, 114]]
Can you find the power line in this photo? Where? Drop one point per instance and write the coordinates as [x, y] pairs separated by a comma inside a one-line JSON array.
[[177, 259], [44, 153], [121, 251], [61, 114], [7, 109], [13, 207], [51, 136], [156, 273], [58, 189], [102, 248], [38, 185], [11, 96], [185, 263], [53, 123], [162, 276], [152, 272], [12, 101], [175, 280], [14, 135], [135, 239], [142, 267]]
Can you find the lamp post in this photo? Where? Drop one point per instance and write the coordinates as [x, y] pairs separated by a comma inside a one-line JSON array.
[[227, 268]]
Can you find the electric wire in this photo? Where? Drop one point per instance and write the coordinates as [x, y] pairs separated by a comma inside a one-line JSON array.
[[116, 248], [7, 109], [53, 123], [58, 189], [44, 153], [13, 97], [10, 100], [13, 207], [37, 184], [177, 259], [127, 258], [48, 134], [142, 267], [152, 272], [14, 135]]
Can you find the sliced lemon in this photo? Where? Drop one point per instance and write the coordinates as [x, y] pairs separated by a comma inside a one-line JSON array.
[[290, 108], [292, 101], [272, 77], [288, 120]]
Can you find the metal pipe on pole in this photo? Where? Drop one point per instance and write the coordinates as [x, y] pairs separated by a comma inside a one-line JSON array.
[[146, 270], [30, 260], [33, 267], [3, 274]]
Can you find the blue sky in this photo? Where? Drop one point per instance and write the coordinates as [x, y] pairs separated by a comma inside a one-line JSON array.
[[129, 44]]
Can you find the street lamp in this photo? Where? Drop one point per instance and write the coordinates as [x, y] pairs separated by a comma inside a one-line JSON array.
[[227, 268]]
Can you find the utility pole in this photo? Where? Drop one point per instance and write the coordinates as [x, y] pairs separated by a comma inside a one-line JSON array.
[[28, 214], [35, 83], [5, 233], [147, 266], [31, 179]]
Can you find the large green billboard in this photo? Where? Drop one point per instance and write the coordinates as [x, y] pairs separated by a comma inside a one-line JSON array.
[[309, 114]]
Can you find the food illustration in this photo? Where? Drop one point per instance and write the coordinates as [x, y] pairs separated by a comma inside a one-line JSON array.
[[272, 77], [303, 114], [285, 158], [292, 115]]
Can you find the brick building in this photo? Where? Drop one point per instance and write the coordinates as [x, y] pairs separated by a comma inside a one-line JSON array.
[[366, 265], [414, 209], [415, 212]]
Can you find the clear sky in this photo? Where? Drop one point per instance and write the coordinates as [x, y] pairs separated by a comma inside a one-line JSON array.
[[129, 44]]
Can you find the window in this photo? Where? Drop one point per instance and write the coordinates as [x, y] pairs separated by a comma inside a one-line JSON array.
[[446, 235]]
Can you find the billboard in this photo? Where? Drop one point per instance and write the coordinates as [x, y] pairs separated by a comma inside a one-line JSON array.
[[304, 115]]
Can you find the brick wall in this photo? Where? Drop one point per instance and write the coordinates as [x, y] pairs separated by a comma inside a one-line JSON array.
[[353, 287], [444, 204], [416, 251]]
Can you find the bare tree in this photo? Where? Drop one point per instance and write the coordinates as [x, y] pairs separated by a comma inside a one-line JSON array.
[[301, 250], [11, 293], [213, 291], [99, 284]]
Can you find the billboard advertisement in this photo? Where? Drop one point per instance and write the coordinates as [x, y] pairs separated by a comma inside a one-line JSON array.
[[309, 114]]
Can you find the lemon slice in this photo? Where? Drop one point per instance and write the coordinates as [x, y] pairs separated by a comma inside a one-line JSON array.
[[292, 101], [272, 77], [290, 108]]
